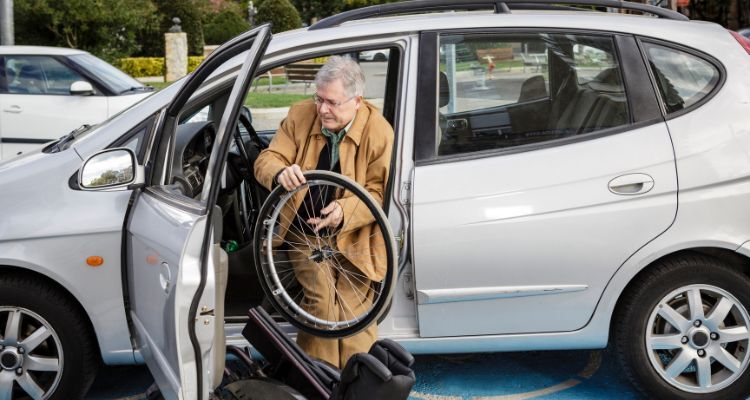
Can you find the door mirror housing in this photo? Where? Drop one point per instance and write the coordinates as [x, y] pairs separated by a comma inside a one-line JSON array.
[[111, 169], [81, 88]]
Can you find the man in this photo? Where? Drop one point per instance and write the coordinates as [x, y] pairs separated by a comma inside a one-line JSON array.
[[339, 131]]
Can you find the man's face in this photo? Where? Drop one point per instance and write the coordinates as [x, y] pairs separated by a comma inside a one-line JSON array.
[[335, 108]]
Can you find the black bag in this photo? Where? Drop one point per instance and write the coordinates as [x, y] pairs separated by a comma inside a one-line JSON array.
[[383, 373]]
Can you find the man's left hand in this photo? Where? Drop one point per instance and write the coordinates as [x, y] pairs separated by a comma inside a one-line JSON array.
[[333, 214]]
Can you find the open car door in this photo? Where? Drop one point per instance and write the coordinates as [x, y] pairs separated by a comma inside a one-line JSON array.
[[170, 238]]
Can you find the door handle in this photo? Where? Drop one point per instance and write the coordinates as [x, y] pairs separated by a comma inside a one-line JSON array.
[[631, 184], [13, 109]]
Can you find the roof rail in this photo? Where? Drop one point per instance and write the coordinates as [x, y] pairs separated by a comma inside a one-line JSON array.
[[499, 7]]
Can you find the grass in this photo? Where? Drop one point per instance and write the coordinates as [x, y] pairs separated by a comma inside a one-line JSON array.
[[273, 100]]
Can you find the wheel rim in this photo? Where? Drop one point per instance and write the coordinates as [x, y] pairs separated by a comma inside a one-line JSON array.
[[697, 338], [279, 272]]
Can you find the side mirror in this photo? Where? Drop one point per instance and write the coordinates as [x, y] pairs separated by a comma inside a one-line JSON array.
[[110, 169], [81, 88]]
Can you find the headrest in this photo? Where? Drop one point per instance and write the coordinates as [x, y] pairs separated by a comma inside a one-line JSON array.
[[445, 92]]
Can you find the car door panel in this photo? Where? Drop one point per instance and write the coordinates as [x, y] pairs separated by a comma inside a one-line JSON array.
[[171, 244], [527, 242]]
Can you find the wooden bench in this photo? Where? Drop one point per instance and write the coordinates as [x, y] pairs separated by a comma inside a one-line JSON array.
[[302, 72]]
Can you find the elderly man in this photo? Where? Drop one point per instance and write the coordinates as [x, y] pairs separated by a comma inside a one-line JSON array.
[[339, 131]]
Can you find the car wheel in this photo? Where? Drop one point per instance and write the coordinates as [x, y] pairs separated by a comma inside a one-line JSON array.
[[46, 348], [682, 331], [380, 57]]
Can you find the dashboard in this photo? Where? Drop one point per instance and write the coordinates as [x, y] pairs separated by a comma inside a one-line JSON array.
[[192, 151]]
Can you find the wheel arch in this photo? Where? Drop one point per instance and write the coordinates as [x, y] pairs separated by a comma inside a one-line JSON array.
[[8, 271], [734, 259]]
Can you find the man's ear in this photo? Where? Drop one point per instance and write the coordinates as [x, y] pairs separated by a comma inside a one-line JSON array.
[[357, 102]]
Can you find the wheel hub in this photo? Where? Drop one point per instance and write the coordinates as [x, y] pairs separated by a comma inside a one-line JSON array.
[[324, 253], [10, 359], [699, 338]]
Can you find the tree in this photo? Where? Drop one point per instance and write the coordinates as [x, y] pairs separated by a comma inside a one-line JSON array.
[[106, 28], [318, 9], [223, 26], [280, 13]]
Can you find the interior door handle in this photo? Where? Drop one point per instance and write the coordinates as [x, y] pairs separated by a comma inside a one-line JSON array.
[[13, 109], [631, 184]]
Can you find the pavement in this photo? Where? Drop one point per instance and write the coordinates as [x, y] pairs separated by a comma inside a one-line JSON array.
[[577, 374]]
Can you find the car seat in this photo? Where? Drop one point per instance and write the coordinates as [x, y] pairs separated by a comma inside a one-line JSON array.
[[31, 79]]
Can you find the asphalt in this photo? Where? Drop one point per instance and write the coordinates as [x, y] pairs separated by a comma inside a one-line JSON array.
[[507, 376]]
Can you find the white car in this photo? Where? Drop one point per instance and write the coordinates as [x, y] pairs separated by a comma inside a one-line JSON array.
[[46, 92], [601, 198], [374, 55]]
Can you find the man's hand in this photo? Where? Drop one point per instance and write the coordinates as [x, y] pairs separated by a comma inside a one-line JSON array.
[[291, 177], [333, 214]]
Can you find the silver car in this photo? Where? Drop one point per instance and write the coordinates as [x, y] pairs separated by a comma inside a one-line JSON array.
[[595, 196]]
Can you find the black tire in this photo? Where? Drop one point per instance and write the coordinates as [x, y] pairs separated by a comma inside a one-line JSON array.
[[641, 322], [39, 304], [380, 57], [271, 289]]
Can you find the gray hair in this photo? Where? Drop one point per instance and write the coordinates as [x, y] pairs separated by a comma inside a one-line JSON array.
[[345, 69]]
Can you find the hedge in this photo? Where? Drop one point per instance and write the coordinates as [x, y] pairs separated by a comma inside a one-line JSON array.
[[138, 67]]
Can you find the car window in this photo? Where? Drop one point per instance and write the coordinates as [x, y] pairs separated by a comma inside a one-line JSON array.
[[272, 92], [39, 75], [508, 90], [683, 79], [115, 79]]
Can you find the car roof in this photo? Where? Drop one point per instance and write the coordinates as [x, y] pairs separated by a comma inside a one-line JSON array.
[[40, 50]]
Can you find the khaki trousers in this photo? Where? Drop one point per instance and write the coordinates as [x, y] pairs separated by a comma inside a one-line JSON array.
[[333, 290]]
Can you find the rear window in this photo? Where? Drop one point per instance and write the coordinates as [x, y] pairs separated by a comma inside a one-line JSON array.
[[683, 79]]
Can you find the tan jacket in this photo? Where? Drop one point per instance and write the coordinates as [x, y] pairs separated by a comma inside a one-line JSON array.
[[365, 157]]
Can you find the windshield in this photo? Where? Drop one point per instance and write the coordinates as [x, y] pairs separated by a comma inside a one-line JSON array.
[[117, 80]]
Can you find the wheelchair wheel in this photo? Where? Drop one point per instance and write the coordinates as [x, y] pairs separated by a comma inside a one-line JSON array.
[[333, 282]]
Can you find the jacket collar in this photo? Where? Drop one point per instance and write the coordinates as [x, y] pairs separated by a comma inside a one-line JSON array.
[[355, 132]]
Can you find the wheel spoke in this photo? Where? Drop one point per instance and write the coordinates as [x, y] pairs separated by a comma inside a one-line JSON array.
[[703, 372], [734, 334], [6, 385], [27, 383], [678, 364], [12, 327], [723, 357], [36, 338], [695, 303], [720, 311], [37, 363], [665, 342], [674, 318]]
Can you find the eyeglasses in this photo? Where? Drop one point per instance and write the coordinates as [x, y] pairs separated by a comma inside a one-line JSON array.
[[330, 103]]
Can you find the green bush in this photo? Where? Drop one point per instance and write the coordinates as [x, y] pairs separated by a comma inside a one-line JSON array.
[[193, 62], [189, 12], [223, 26], [280, 13], [142, 66], [139, 67]]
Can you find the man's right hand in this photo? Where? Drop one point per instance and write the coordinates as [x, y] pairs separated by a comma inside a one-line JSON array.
[[291, 177]]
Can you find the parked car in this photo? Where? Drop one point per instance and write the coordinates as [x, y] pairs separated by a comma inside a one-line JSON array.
[[374, 55], [46, 92], [593, 201]]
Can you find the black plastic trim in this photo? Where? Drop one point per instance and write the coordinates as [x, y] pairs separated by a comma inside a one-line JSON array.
[[643, 98], [25, 141], [425, 114]]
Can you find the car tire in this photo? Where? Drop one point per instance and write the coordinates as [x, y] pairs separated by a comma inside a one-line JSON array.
[[63, 364], [380, 57], [647, 344]]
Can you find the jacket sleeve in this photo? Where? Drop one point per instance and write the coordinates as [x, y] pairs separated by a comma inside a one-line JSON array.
[[356, 214], [280, 154]]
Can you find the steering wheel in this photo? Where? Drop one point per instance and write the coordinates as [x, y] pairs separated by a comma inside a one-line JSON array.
[[252, 193]]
